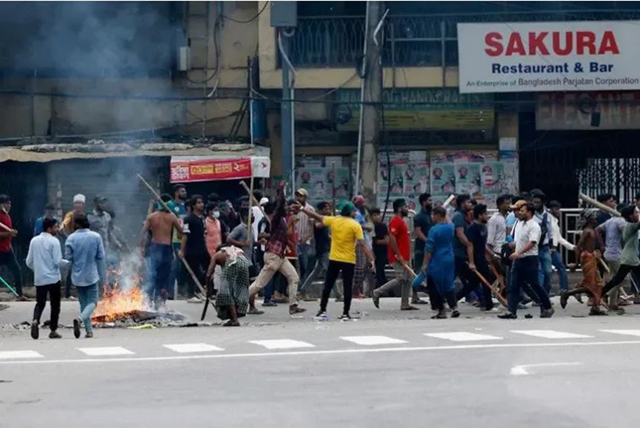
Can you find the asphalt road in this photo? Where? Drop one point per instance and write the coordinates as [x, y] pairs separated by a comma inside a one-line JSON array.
[[387, 369]]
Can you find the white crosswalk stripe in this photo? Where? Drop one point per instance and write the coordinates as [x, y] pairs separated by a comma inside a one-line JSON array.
[[105, 351], [551, 334], [282, 344], [373, 340], [463, 336], [185, 348], [11, 355], [623, 332]]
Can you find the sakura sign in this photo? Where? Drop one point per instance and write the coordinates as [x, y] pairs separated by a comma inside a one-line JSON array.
[[549, 56]]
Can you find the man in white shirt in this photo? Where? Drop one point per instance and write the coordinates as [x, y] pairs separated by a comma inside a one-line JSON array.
[[525, 263], [44, 258], [497, 225]]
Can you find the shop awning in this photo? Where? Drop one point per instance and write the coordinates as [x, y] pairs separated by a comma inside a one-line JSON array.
[[189, 169]]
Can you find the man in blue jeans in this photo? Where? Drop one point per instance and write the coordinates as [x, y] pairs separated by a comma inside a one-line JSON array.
[[558, 239], [85, 251], [543, 218]]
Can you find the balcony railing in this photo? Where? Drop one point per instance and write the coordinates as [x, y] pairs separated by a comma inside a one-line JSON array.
[[416, 41]]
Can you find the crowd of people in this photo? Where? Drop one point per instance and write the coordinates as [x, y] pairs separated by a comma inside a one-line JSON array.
[[232, 252]]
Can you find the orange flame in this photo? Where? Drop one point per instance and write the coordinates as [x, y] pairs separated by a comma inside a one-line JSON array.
[[116, 302]]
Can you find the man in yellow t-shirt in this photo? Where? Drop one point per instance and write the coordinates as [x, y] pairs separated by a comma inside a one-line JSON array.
[[345, 234]]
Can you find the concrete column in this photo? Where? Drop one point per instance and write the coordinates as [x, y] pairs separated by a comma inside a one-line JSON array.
[[372, 98]]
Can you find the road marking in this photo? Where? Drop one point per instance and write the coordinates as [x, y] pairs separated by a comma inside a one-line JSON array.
[[623, 332], [551, 334], [327, 352], [11, 355], [185, 348], [524, 369], [372, 340], [105, 351], [282, 344], [462, 336]]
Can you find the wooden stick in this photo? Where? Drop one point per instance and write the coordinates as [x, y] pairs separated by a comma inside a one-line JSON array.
[[599, 205], [492, 288], [250, 213], [166, 207], [333, 189], [604, 265], [255, 201], [448, 201]]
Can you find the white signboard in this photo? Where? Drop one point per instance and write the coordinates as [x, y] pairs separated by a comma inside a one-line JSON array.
[[549, 56]]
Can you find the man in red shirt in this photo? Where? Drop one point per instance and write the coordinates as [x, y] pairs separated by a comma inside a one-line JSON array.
[[399, 256], [7, 256]]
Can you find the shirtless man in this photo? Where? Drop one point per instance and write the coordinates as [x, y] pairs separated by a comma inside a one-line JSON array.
[[588, 255], [159, 251]]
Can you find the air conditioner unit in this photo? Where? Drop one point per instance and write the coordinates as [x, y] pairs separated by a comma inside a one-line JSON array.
[[184, 58]]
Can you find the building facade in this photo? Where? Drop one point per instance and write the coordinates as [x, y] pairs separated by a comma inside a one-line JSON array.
[[196, 72]]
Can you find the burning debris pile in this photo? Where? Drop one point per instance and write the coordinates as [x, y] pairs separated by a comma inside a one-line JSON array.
[[124, 303]]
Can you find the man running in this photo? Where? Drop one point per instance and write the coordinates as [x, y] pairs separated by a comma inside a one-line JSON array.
[[44, 259], [159, 251], [588, 255], [629, 261], [346, 233], [85, 251], [275, 260], [399, 257]]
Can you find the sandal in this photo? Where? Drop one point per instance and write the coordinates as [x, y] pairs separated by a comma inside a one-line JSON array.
[[231, 324]]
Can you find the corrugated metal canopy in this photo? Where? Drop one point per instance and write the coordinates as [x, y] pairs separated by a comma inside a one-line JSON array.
[[54, 152]]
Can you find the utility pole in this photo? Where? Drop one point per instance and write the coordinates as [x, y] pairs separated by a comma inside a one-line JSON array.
[[370, 117]]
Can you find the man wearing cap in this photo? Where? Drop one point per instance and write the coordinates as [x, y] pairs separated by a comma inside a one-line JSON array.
[[67, 228], [78, 209], [305, 232], [7, 256]]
